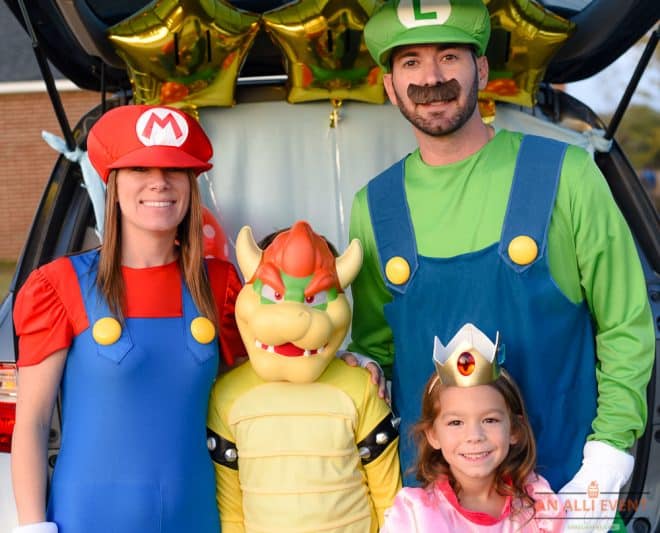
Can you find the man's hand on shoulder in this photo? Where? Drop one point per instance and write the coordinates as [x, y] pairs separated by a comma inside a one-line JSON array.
[[377, 375]]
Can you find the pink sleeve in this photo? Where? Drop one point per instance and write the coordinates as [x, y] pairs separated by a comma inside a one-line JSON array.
[[400, 517], [48, 312], [549, 512]]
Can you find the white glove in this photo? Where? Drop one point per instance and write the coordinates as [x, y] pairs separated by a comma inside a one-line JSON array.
[[591, 497], [39, 527]]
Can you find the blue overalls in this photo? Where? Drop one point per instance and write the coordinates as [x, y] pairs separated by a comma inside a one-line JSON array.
[[133, 457], [549, 340]]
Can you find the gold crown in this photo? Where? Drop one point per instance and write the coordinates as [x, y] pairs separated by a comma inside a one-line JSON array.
[[469, 359]]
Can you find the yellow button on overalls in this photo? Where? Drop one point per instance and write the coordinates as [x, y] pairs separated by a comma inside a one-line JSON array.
[[397, 270], [523, 250], [202, 329], [106, 331]]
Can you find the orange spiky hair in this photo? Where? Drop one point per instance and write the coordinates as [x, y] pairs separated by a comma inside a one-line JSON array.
[[299, 252]]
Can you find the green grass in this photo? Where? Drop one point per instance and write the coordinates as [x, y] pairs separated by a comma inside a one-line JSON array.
[[6, 272]]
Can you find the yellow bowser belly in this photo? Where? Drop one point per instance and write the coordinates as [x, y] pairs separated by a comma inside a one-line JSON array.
[[299, 466]]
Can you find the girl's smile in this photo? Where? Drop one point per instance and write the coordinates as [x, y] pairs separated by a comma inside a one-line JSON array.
[[473, 431]]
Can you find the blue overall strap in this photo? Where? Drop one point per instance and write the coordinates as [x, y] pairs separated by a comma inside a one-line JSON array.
[[200, 351], [86, 268], [391, 222], [532, 196]]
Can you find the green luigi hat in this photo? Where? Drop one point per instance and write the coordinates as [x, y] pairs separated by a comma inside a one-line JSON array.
[[406, 22]]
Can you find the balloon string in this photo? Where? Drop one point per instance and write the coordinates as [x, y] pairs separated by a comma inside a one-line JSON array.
[[334, 132], [335, 113]]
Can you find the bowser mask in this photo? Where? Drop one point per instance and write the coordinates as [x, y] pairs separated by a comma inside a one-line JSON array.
[[292, 313]]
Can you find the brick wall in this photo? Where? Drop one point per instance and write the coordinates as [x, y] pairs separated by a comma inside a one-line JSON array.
[[26, 161]]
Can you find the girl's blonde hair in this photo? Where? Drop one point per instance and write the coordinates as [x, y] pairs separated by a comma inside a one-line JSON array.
[[191, 253], [519, 463]]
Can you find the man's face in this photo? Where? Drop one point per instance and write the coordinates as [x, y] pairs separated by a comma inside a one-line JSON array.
[[436, 86]]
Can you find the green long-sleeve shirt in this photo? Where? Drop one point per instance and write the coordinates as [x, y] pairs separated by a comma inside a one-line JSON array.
[[459, 208]]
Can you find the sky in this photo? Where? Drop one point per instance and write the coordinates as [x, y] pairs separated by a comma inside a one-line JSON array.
[[603, 91]]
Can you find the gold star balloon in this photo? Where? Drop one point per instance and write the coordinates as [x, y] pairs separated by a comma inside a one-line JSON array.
[[524, 38], [185, 53], [324, 50]]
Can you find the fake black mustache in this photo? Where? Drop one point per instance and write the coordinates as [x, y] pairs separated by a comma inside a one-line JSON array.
[[442, 92]]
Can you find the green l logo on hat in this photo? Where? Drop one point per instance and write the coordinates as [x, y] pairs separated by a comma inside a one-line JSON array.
[[414, 13], [411, 22]]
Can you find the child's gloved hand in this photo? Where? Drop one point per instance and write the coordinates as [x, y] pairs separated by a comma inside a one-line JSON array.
[[604, 471], [39, 527]]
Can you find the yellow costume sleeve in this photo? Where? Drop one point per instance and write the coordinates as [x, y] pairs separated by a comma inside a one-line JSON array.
[[230, 499], [229, 496], [384, 472], [384, 479]]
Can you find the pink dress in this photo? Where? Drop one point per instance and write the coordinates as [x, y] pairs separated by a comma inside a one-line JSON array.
[[436, 509]]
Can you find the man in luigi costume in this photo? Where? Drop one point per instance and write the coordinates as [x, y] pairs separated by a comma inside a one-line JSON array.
[[510, 232]]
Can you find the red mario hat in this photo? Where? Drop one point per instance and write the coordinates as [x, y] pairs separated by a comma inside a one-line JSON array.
[[147, 136]]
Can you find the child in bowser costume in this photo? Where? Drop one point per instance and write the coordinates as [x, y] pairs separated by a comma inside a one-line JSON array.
[[300, 440]]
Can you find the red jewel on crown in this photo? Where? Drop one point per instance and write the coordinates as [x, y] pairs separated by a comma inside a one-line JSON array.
[[465, 363]]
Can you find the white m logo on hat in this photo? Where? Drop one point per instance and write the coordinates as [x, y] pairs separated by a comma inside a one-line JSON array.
[[414, 13], [161, 127]]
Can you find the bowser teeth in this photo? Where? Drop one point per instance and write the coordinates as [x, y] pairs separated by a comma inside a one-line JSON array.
[[273, 349]]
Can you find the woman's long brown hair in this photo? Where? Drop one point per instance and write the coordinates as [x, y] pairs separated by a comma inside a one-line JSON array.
[[519, 463], [191, 253]]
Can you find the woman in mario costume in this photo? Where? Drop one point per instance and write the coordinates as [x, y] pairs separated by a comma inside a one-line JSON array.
[[130, 331]]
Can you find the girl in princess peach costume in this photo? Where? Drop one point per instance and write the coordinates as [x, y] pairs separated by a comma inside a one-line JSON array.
[[476, 451]]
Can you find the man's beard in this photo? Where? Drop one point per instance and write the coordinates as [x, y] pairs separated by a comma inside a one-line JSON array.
[[440, 123]]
